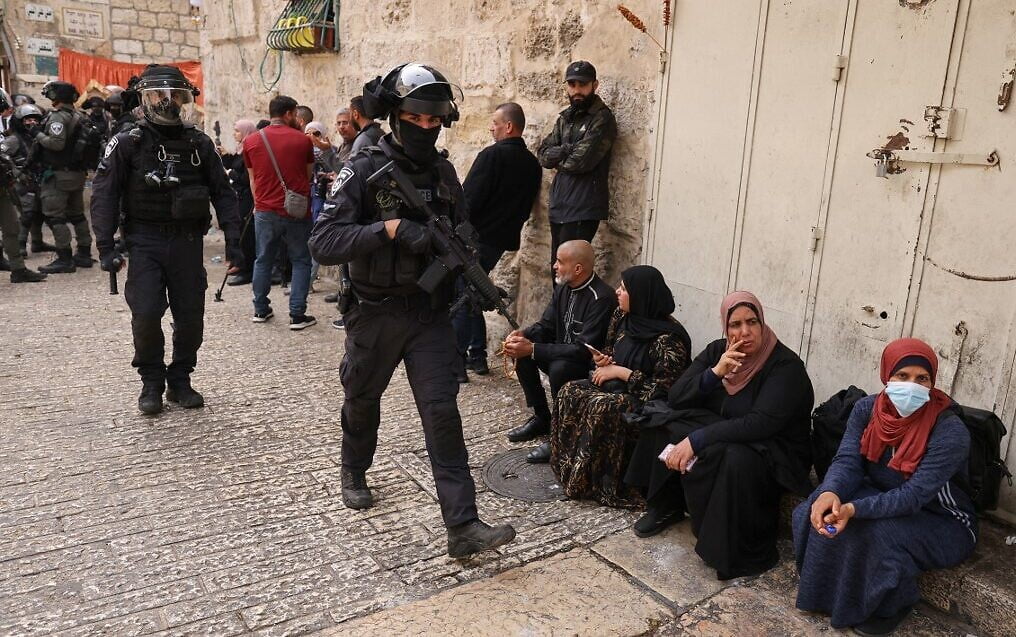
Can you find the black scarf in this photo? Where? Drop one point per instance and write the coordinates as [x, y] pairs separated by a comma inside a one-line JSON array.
[[651, 304]]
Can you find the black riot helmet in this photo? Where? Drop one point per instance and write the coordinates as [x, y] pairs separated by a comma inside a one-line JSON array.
[[164, 94], [60, 91], [27, 112], [5, 100], [413, 87]]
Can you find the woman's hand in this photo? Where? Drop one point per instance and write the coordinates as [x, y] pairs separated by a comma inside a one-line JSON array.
[[827, 509], [610, 372], [838, 520], [602, 360], [730, 361], [679, 456]]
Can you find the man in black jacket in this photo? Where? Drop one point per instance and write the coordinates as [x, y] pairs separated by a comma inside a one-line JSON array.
[[500, 190], [578, 315], [579, 148]]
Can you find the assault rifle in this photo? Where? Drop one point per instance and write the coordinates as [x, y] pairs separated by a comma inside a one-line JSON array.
[[455, 252]]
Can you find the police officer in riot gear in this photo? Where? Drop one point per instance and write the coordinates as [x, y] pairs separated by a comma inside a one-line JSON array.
[[9, 204], [17, 145], [162, 174], [391, 319], [63, 179], [123, 119]]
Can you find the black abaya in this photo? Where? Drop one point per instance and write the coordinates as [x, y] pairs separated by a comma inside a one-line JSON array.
[[750, 447]]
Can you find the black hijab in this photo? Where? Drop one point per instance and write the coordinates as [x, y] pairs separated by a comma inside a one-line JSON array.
[[651, 304]]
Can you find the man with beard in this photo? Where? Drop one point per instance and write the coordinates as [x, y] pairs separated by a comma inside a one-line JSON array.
[[388, 247], [579, 148]]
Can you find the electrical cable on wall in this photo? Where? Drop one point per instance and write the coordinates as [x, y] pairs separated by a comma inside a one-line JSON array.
[[265, 87]]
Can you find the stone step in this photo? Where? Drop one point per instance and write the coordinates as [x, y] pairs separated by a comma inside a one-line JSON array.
[[980, 593]]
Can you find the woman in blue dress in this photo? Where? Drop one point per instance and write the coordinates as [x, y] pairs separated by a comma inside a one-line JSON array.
[[890, 506]]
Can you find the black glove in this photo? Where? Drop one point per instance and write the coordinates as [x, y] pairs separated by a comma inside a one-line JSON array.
[[414, 236], [110, 261], [234, 255]]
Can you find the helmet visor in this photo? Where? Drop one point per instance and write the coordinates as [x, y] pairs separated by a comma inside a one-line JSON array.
[[167, 106], [427, 91]]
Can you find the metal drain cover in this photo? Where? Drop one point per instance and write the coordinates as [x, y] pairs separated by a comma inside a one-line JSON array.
[[510, 475]]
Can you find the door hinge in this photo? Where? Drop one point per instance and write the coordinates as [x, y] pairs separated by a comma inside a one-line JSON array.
[[839, 63], [816, 236]]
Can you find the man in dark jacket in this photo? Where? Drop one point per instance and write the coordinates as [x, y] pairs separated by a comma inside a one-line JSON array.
[[578, 315], [500, 190], [579, 148]]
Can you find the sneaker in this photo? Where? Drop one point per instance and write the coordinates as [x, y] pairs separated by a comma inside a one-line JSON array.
[[339, 324], [656, 520], [302, 321], [262, 317]]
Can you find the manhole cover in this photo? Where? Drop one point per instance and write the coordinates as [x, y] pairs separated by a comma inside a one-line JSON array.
[[509, 474]]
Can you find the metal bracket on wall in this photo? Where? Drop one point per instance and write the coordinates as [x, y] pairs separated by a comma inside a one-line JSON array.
[[839, 63], [914, 156]]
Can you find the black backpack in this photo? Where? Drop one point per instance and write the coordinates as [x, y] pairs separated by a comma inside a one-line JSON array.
[[985, 467], [829, 422]]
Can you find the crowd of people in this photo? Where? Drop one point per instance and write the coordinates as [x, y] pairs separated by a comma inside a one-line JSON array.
[[638, 415]]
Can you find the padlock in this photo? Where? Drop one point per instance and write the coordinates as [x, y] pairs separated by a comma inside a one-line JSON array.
[[882, 167]]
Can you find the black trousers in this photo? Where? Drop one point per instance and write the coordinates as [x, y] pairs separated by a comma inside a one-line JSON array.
[[378, 337], [564, 232], [560, 372], [166, 270], [248, 244]]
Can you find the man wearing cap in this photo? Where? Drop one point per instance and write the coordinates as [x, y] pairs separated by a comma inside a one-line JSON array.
[[579, 148]]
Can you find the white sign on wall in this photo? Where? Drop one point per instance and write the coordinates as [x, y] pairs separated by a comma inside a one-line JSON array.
[[82, 23], [41, 46], [38, 12]]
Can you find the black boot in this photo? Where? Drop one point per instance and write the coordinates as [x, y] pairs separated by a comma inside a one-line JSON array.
[[24, 275], [5, 266], [150, 400], [475, 536], [42, 246], [355, 492], [478, 363], [62, 264], [181, 393], [83, 257]]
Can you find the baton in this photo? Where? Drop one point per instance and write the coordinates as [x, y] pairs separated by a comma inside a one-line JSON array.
[[243, 233], [112, 284]]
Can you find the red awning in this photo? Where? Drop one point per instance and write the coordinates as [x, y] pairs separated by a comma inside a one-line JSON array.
[[87, 71]]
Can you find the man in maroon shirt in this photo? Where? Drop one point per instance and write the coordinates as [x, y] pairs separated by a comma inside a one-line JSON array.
[[294, 155]]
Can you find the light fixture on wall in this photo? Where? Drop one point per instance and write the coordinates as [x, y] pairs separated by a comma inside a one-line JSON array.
[[195, 12]]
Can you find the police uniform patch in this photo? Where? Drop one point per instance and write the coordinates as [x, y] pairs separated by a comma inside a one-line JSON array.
[[110, 147], [56, 128], [340, 180], [386, 201]]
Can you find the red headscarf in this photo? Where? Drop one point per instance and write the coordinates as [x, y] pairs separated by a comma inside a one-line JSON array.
[[750, 365], [887, 429]]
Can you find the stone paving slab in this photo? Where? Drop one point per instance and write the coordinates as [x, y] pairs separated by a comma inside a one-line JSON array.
[[570, 594]]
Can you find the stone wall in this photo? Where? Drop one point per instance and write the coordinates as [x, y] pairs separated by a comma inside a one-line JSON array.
[[122, 30], [509, 50]]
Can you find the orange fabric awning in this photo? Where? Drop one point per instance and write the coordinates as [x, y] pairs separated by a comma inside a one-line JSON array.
[[83, 70]]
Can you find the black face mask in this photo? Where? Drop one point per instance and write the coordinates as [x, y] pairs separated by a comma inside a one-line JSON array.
[[418, 142]]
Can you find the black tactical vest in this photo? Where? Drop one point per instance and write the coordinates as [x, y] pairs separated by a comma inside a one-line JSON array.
[[150, 203], [392, 269]]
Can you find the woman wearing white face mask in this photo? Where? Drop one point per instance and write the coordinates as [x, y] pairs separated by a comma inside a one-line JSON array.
[[890, 506]]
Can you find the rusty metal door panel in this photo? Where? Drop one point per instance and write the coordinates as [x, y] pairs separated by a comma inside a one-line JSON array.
[[711, 66], [783, 188], [898, 61], [966, 307]]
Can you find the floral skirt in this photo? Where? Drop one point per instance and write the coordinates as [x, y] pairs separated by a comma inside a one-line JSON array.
[[591, 443]]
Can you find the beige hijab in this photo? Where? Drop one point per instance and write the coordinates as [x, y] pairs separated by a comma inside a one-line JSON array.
[[751, 364]]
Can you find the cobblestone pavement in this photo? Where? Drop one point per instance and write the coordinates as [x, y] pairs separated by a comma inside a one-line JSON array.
[[228, 519]]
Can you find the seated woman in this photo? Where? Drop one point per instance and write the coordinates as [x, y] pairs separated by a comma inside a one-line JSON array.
[[739, 418], [645, 351], [890, 506]]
